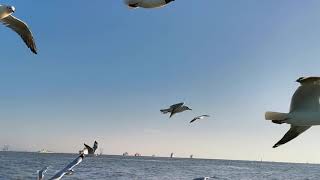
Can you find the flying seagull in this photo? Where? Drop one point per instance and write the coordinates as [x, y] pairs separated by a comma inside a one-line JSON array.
[[18, 26], [146, 3], [41, 173], [176, 108], [304, 109], [202, 178], [92, 150], [68, 170], [199, 117]]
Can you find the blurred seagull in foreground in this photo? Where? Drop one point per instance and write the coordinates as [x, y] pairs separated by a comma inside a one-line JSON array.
[[146, 3], [176, 108], [304, 109], [17, 25], [68, 170], [42, 172], [199, 117]]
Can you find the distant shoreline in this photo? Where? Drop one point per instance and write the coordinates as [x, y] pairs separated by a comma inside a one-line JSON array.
[[163, 157]]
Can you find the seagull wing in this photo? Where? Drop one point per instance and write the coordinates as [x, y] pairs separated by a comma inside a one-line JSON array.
[[293, 132], [22, 29], [176, 105], [90, 149], [68, 168], [194, 119], [306, 98]]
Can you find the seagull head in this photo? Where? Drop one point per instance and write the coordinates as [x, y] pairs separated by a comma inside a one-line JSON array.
[[187, 108], [11, 9]]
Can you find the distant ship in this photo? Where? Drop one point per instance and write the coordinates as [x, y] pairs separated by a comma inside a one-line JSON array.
[[44, 151], [125, 154], [5, 147], [137, 154], [171, 155]]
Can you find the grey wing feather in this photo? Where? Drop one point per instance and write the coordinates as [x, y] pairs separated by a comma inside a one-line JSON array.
[[293, 132], [306, 98], [176, 105], [22, 29]]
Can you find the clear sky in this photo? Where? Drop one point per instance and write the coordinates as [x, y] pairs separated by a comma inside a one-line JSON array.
[[103, 73]]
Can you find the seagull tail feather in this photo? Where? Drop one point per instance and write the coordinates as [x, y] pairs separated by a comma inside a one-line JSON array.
[[164, 111], [276, 117]]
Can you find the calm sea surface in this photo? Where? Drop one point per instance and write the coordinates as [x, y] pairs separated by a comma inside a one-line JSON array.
[[23, 166]]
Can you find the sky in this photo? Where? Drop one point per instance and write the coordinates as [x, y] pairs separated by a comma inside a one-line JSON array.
[[104, 71]]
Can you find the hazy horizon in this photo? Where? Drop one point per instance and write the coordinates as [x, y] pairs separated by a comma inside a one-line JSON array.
[[104, 71]]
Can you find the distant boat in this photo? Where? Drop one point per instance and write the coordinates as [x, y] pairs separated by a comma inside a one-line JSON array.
[[5, 147], [191, 156], [44, 151], [171, 155], [125, 154], [137, 154]]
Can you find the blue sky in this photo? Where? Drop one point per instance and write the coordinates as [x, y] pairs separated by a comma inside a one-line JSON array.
[[104, 71]]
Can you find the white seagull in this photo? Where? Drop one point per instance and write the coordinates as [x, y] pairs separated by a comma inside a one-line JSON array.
[[146, 3], [42, 172], [68, 170], [199, 117], [176, 108], [304, 109], [202, 178], [17, 25]]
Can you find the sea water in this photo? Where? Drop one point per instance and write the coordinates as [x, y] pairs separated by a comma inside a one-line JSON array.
[[24, 166]]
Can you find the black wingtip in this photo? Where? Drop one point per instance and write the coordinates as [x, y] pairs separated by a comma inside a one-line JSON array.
[[276, 145], [34, 51]]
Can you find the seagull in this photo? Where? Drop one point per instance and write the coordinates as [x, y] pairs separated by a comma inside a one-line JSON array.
[[18, 26], [42, 172], [68, 170], [91, 150], [146, 3], [199, 117], [202, 178], [176, 108], [304, 109]]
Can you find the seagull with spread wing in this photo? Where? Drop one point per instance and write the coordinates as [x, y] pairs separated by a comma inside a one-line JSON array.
[[18, 26], [199, 117], [176, 108], [304, 109], [68, 170], [91, 150], [146, 3]]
